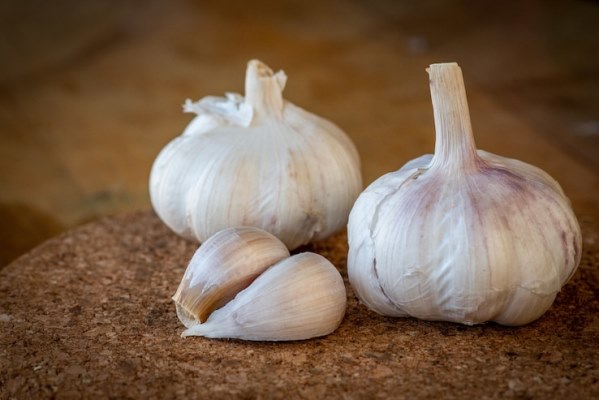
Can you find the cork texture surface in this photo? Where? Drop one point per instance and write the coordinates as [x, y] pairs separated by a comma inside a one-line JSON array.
[[88, 315]]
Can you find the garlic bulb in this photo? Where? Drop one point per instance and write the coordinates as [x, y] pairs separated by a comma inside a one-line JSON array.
[[242, 283], [464, 235], [256, 161]]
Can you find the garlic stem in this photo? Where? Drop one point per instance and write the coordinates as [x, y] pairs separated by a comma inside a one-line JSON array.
[[264, 89], [455, 149]]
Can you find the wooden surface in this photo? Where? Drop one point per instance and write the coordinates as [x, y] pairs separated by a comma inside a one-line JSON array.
[[91, 91], [88, 315]]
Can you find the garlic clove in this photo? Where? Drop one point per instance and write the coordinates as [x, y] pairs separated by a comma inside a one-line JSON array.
[[300, 297], [464, 235], [225, 264], [365, 279]]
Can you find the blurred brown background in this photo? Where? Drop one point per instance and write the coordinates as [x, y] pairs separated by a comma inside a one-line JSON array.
[[91, 90]]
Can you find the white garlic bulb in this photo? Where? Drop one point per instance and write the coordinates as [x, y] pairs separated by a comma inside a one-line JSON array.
[[464, 235], [256, 161], [242, 283]]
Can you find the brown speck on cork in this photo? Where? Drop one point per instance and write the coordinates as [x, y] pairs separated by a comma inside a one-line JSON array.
[[514, 181]]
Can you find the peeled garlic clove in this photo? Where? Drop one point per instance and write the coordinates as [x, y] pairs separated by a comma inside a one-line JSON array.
[[224, 265], [298, 298], [257, 161], [465, 235]]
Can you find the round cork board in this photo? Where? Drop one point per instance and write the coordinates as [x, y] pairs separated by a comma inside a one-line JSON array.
[[88, 314]]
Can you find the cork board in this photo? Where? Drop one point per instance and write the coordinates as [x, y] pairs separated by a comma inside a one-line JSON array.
[[88, 314]]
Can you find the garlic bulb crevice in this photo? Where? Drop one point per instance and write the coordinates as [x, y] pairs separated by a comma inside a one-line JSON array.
[[257, 161], [463, 235], [243, 283]]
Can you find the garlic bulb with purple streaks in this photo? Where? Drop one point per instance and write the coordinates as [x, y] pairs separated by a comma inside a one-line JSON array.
[[462, 235]]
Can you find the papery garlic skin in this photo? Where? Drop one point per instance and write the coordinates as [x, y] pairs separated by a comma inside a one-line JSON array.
[[256, 161], [464, 236], [242, 283]]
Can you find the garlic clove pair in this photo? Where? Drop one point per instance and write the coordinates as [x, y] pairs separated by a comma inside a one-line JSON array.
[[224, 265], [242, 283], [299, 298], [257, 161], [464, 235]]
